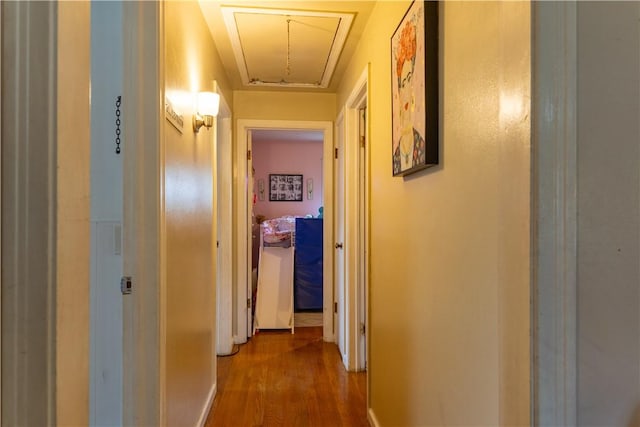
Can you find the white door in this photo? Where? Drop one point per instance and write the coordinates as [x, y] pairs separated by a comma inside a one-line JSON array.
[[362, 237], [250, 198], [339, 253]]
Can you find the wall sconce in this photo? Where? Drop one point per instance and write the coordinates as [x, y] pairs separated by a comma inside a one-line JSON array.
[[207, 105], [310, 189]]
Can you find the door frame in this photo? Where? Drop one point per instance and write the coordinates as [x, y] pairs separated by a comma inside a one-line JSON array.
[[1, 215], [362, 297], [46, 213], [224, 225], [340, 313], [144, 248], [554, 214], [243, 218], [357, 266]]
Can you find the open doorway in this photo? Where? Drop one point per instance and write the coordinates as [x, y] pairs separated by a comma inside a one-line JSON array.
[[287, 210], [244, 203]]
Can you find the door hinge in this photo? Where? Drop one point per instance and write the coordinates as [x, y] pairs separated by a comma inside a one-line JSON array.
[[248, 154], [335, 307], [248, 302], [362, 328], [362, 141], [336, 153]]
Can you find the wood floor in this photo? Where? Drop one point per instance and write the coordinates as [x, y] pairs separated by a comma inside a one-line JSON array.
[[280, 379]]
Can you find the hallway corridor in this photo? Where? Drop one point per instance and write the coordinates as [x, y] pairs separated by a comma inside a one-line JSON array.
[[280, 379]]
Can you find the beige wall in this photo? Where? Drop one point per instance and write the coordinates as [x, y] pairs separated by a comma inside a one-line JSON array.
[[191, 65], [449, 318], [608, 214], [270, 105]]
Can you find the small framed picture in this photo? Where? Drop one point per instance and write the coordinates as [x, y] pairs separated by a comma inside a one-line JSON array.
[[285, 188]]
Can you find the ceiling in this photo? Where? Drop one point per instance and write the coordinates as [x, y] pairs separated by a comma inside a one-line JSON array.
[[286, 45]]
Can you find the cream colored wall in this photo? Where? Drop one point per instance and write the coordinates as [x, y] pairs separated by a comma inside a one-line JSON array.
[[263, 105], [608, 275], [449, 317], [191, 64]]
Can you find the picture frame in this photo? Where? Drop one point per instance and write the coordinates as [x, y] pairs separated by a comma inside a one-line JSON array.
[[414, 89], [285, 188]]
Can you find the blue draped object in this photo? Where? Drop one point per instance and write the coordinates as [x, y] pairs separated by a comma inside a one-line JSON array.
[[307, 270]]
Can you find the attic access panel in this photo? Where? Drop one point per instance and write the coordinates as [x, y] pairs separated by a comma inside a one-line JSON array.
[[309, 45], [278, 47]]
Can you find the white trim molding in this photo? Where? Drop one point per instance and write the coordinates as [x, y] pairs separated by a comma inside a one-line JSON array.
[[1, 269], [554, 228], [223, 197], [144, 339], [29, 235], [45, 220], [339, 286], [202, 419], [356, 262]]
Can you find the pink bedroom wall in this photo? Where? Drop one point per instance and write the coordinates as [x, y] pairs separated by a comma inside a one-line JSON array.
[[288, 157]]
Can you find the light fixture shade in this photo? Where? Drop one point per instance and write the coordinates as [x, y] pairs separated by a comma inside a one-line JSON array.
[[208, 103]]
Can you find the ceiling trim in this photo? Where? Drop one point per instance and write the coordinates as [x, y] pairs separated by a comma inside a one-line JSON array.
[[345, 20]]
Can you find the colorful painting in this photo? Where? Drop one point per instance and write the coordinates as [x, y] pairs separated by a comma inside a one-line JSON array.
[[414, 83]]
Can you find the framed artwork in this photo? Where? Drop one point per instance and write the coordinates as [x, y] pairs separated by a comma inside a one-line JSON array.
[[414, 89], [285, 188]]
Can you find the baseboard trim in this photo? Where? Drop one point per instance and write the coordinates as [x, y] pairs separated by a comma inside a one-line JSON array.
[[373, 421], [207, 407]]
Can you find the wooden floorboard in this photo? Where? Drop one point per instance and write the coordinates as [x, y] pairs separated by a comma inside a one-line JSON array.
[[280, 379]]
